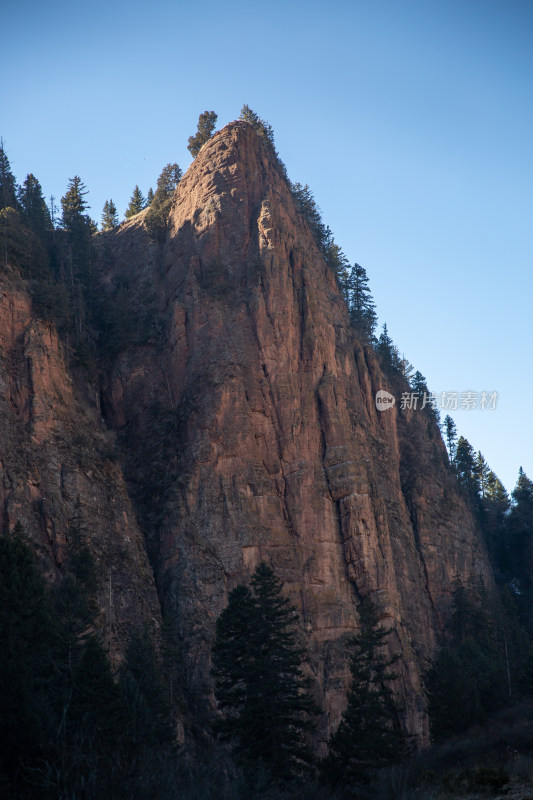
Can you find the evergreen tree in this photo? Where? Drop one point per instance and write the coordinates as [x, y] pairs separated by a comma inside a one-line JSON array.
[[149, 197], [481, 472], [26, 634], [368, 736], [157, 217], [419, 385], [8, 205], [388, 353], [265, 130], [34, 209], [74, 205], [109, 216], [206, 126], [260, 687], [338, 263], [477, 672], [8, 186], [450, 432], [465, 467], [136, 204], [307, 206], [361, 305], [167, 184]]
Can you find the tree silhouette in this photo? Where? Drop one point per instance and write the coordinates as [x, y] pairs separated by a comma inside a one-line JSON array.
[[260, 687]]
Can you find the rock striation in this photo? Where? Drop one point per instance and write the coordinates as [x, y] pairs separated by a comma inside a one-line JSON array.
[[250, 432]]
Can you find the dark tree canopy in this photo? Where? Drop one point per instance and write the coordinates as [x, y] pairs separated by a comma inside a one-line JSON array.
[[260, 687], [368, 736], [206, 126]]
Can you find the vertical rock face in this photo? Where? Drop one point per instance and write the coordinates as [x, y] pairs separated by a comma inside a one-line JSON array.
[[254, 423], [54, 467]]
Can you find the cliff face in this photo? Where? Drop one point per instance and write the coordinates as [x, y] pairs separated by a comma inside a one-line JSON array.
[[55, 469], [251, 432]]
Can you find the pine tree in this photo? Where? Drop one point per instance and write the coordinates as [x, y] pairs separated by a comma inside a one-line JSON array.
[[149, 197], [338, 263], [157, 216], [260, 687], [266, 132], [388, 353], [481, 471], [465, 467], [307, 206], [361, 305], [34, 209], [26, 634], [74, 205], [137, 203], [8, 186], [206, 126], [109, 216], [368, 736], [167, 184], [450, 432]]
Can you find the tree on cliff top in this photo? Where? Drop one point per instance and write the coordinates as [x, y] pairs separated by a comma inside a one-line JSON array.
[[136, 204], [206, 126], [260, 687]]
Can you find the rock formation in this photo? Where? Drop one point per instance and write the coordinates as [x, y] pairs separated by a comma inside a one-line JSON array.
[[249, 431], [274, 447]]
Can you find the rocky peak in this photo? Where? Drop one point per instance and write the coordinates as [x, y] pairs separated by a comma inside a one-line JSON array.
[[251, 425]]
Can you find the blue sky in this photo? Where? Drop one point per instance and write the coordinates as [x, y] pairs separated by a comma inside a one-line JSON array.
[[411, 121]]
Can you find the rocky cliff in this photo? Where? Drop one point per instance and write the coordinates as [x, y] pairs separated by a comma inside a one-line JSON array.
[[56, 472], [248, 430], [269, 444]]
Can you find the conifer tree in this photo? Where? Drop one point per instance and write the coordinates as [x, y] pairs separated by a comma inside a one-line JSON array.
[[206, 126], [149, 197], [450, 432], [34, 209], [109, 216], [368, 736], [8, 186], [260, 687], [465, 466], [361, 305], [74, 205], [265, 130], [481, 472], [307, 206], [25, 656], [157, 216], [338, 263], [136, 204], [388, 353]]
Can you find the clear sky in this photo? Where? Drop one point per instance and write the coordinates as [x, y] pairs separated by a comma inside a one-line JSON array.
[[411, 121]]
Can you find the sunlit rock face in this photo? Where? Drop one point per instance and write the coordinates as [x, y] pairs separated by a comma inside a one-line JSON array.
[[278, 451]]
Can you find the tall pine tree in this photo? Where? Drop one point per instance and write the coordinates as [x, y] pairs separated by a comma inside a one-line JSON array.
[[136, 204], [260, 687], [369, 735]]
